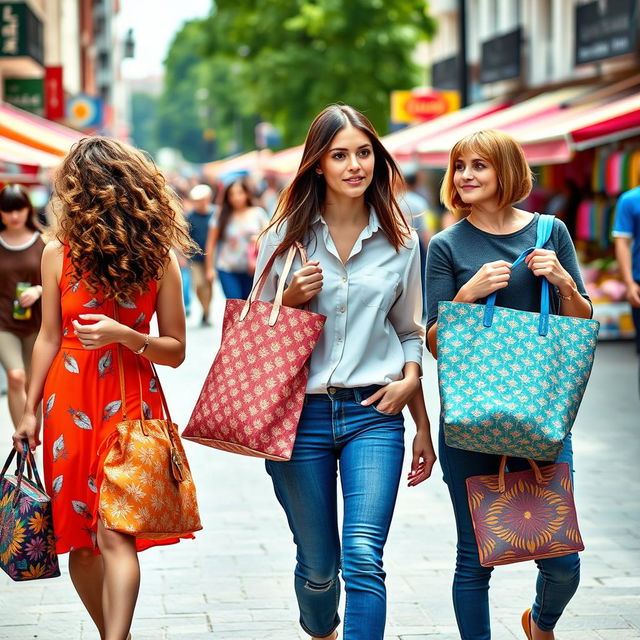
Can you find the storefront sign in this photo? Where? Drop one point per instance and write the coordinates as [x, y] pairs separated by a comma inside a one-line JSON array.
[[419, 106], [501, 57], [20, 32], [445, 74], [85, 111], [25, 93], [53, 93], [605, 29]]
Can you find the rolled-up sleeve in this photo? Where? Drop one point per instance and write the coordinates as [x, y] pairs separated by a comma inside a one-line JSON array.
[[406, 313]]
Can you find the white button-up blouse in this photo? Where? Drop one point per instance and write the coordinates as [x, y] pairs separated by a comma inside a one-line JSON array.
[[373, 305]]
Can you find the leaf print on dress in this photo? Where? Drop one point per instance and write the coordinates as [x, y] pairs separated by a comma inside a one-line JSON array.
[[49, 405], [75, 286], [81, 508], [70, 363], [139, 320], [80, 418], [94, 303], [152, 385], [104, 364], [56, 485], [91, 481], [127, 304], [111, 409], [58, 449], [146, 411]]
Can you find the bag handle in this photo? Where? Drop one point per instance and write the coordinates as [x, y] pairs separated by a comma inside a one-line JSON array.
[[258, 286], [165, 406], [503, 464], [544, 228], [24, 457]]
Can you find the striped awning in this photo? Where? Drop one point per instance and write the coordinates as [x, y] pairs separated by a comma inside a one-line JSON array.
[[21, 154], [244, 163], [36, 132], [403, 144], [551, 127]]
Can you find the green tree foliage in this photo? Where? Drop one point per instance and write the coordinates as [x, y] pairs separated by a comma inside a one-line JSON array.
[[143, 119], [297, 56], [282, 61]]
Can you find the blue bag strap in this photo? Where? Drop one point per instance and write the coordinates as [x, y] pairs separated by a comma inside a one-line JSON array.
[[543, 233]]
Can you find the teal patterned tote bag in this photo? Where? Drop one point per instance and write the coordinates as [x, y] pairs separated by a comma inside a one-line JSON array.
[[511, 381]]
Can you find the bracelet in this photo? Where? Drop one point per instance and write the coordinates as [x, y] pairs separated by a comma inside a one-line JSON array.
[[573, 293], [144, 346]]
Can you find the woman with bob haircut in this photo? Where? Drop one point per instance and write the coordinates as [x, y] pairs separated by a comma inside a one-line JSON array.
[[363, 274], [117, 222], [21, 248], [487, 174]]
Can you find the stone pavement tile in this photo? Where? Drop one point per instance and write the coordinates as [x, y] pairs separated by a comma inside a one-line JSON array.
[[618, 634], [633, 618], [172, 623], [25, 632]]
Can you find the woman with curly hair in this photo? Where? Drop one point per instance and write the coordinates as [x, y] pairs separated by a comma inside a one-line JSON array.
[[116, 224]]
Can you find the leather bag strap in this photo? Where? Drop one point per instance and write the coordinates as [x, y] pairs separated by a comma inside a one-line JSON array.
[[123, 394], [543, 233], [501, 473], [258, 285]]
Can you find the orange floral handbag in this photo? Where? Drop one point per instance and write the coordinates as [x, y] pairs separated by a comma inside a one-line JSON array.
[[252, 398], [524, 515], [146, 488]]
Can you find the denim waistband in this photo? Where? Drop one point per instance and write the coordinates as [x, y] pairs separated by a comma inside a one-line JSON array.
[[339, 393]]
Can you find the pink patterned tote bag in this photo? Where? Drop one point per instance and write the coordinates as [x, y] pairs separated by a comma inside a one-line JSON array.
[[253, 395]]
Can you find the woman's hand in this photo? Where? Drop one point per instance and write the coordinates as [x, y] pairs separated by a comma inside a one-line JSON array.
[[306, 283], [394, 396], [211, 275], [103, 331], [424, 458], [544, 262], [29, 296], [489, 278], [28, 429]]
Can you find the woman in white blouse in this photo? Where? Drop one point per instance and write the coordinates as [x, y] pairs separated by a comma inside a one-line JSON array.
[[363, 274]]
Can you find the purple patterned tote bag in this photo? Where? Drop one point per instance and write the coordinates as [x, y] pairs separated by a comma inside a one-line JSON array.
[[27, 543]]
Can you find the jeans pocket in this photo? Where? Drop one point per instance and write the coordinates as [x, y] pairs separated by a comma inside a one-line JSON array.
[[384, 413]]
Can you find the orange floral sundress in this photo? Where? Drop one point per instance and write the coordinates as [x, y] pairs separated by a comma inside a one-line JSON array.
[[82, 405]]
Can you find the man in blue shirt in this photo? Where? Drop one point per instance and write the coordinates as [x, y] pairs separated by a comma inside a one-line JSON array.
[[626, 233]]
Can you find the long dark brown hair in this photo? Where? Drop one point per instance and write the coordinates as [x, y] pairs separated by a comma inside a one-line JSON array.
[[226, 210], [117, 217], [304, 198], [15, 197]]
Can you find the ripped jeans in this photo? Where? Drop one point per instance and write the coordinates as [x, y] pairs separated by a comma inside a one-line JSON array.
[[336, 432]]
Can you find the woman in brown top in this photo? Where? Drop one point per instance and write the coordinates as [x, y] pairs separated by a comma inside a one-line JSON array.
[[20, 289]]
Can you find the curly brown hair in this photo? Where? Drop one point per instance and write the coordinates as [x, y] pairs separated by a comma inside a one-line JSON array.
[[117, 217]]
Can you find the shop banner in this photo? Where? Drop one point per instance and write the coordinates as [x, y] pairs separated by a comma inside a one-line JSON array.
[[422, 105], [53, 93], [85, 111], [25, 93], [605, 30], [21, 32], [500, 58]]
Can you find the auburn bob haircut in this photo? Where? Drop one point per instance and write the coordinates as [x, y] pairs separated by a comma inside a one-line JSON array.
[[507, 158]]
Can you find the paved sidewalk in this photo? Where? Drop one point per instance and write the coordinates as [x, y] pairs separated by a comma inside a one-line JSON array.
[[235, 580]]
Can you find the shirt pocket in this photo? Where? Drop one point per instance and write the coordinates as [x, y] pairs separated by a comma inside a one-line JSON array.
[[376, 288]]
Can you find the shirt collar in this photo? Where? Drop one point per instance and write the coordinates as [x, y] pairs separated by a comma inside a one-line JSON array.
[[372, 226]]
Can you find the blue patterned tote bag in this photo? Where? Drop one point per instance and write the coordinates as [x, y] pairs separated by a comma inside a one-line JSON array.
[[27, 543], [511, 381]]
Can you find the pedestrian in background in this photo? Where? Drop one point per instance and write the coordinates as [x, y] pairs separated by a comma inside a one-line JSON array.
[[363, 274], [116, 225], [626, 234], [231, 243], [199, 219], [487, 174], [21, 248]]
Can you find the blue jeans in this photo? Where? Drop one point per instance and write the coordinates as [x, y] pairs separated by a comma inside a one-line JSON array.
[[558, 578], [235, 286], [336, 432], [185, 272]]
